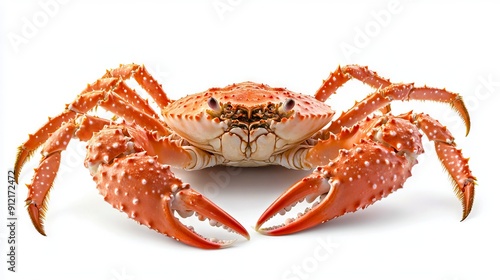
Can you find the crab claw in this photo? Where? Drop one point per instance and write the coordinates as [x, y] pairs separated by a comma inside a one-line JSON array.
[[338, 188], [149, 193]]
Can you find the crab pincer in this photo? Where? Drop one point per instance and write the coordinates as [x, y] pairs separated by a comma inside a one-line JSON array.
[[338, 188], [150, 194]]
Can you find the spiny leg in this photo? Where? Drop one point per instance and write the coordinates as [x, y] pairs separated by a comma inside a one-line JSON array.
[[402, 92], [44, 176], [111, 93], [450, 156], [343, 74], [26, 150], [383, 96], [84, 103], [143, 78]]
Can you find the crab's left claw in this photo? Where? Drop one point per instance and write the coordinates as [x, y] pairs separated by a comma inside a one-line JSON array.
[[338, 188]]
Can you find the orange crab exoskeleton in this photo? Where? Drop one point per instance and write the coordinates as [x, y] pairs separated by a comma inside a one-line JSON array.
[[359, 158]]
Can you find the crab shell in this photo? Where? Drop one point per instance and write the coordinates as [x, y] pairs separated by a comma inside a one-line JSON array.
[[220, 121]]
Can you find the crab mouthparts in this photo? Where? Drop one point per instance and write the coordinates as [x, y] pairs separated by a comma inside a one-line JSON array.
[[189, 209], [302, 206]]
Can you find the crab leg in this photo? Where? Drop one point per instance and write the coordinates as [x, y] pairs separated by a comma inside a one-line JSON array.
[[111, 93], [45, 174], [143, 78], [383, 96], [34, 141], [450, 156], [343, 74]]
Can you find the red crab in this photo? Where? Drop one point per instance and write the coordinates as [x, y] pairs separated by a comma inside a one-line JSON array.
[[360, 157]]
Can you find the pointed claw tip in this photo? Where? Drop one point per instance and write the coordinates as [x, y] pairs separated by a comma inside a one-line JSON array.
[[468, 198], [459, 106], [258, 228], [22, 156], [264, 231], [36, 217], [246, 235]]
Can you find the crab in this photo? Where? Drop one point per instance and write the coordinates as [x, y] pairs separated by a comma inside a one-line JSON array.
[[357, 158]]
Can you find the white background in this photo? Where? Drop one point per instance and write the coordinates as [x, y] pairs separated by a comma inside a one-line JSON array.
[[50, 50]]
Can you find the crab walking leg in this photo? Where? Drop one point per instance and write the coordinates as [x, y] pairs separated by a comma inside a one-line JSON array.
[[382, 97], [343, 74], [144, 79], [82, 104], [354, 180], [114, 103], [26, 150], [120, 88], [402, 92], [46, 172], [450, 156], [112, 83]]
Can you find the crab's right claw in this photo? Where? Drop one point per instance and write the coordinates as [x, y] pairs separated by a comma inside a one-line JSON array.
[[154, 197]]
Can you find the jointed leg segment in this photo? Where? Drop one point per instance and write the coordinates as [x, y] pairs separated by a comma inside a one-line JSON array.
[[384, 94], [110, 93]]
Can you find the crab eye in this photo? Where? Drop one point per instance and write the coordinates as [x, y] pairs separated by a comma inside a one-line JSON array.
[[287, 106], [213, 104]]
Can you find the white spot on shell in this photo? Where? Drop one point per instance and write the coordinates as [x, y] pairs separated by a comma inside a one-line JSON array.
[[144, 181]]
